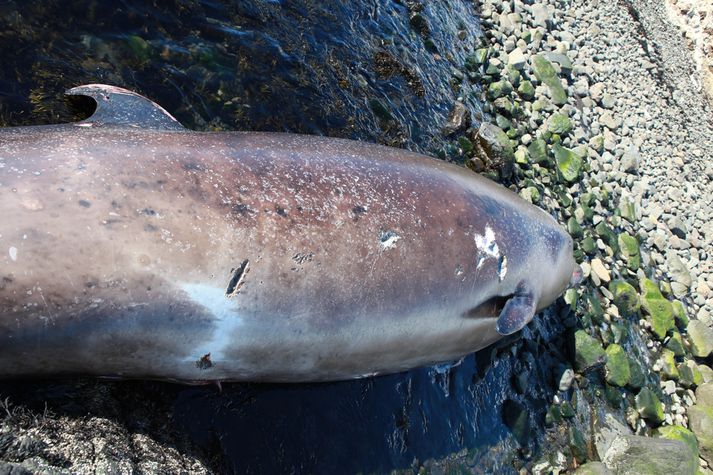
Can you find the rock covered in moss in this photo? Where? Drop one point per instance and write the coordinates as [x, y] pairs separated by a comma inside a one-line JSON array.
[[657, 307], [679, 433], [617, 366], [649, 406], [569, 163], [634, 454], [559, 123], [626, 298], [546, 74], [668, 364], [700, 420], [629, 251], [700, 337], [690, 374], [588, 351]]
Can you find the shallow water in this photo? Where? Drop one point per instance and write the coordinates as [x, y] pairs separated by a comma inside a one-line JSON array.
[[378, 71]]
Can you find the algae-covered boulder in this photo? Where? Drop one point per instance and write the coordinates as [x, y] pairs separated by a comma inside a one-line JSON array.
[[569, 163], [559, 124], [629, 251], [626, 298], [617, 366], [635, 454], [588, 351], [679, 433], [546, 74], [649, 406], [658, 309], [700, 337]]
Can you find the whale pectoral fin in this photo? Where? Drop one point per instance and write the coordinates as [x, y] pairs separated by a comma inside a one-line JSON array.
[[117, 107], [517, 312]]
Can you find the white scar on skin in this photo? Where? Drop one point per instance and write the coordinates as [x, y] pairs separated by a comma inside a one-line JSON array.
[[487, 246], [226, 319]]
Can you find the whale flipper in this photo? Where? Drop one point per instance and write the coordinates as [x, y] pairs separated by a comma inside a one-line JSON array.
[[517, 312], [117, 107]]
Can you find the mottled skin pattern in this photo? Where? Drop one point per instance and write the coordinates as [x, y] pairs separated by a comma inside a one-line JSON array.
[[177, 255]]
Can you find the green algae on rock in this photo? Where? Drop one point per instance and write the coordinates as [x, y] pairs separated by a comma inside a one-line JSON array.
[[617, 366], [700, 337], [569, 163], [626, 298], [649, 406], [658, 308], [559, 124], [588, 351], [629, 251], [546, 74]]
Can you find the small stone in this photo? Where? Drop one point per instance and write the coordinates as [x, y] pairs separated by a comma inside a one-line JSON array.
[[566, 380], [629, 251], [458, 120], [499, 89], [608, 101], [601, 271], [675, 344], [679, 313], [477, 59], [678, 227], [629, 162], [538, 151], [517, 59], [690, 375], [526, 90], [497, 150]]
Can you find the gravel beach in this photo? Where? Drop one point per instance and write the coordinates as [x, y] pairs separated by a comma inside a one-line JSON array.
[[600, 113], [637, 118]]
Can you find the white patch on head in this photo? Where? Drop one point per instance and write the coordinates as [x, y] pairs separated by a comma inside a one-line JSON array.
[[13, 253], [387, 240], [487, 246], [226, 319]]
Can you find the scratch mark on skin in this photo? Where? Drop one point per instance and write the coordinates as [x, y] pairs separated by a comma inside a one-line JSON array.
[[204, 362], [237, 279], [13, 253]]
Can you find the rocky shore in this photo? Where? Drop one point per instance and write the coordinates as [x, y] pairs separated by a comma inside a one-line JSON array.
[[598, 105]]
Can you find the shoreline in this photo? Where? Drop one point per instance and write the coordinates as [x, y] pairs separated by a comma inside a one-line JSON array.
[[636, 132]]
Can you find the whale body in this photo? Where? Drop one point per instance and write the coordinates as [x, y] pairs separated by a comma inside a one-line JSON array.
[[131, 247]]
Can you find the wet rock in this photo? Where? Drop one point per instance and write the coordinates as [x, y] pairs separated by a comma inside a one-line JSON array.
[[588, 351], [546, 74], [495, 149], [679, 314], [617, 366], [517, 418], [458, 120], [625, 297], [538, 152], [649, 407], [477, 59], [637, 378], [633, 454], [499, 89], [569, 163], [658, 308], [700, 337]]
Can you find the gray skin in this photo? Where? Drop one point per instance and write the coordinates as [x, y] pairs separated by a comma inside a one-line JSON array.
[[131, 247]]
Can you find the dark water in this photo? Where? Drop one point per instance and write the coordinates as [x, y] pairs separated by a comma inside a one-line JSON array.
[[371, 70]]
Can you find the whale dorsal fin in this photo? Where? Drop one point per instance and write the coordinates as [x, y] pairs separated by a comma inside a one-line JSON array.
[[117, 107], [517, 312]]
